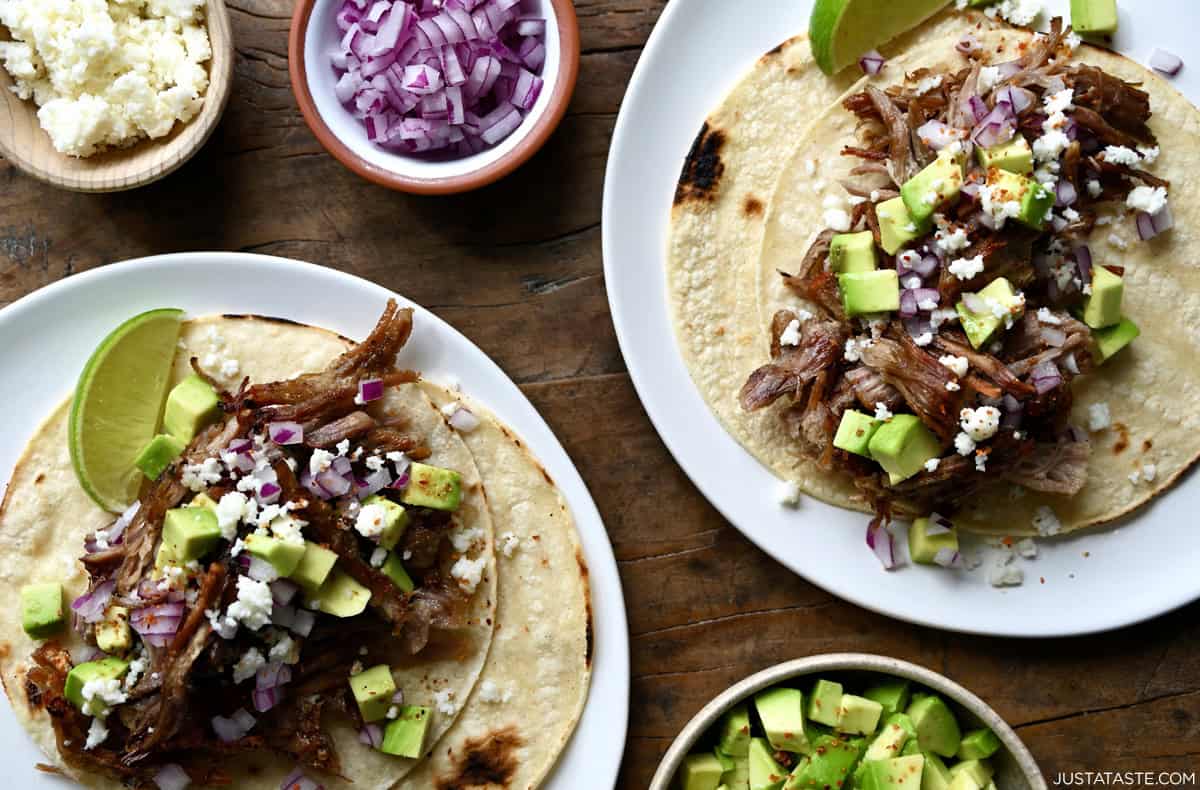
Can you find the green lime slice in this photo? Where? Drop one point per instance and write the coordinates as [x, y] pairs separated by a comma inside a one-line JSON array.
[[841, 31], [117, 405]]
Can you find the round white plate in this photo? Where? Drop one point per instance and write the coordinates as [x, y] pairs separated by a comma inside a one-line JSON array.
[[1129, 574], [48, 335]]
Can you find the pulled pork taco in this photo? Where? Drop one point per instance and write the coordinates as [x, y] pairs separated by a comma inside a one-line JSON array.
[[310, 589]]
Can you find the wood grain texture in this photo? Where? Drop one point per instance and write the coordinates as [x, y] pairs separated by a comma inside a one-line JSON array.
[[517, 267], [26, 145]]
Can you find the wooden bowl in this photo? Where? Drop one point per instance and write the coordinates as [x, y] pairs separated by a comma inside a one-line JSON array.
[[314, 35], [26, 145]]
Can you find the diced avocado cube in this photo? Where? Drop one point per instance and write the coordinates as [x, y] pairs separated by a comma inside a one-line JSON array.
[[110, 668], [433, 487], [314, 567], [373, 690], [923, 547], [896, 773], [191, 405], [855, 431], [896, 226], [1102, 307], [734, 737], [42, 610], [830, 765], [937, 729], [1034, 200], [978, 745], [394, 569], [911, 746], [112, 633], [823, 702], [981, 326], [394, 523], [725, 760], [203, 500], [935, 186], [158, 454], [902, 445], [852, 252], [963, 781], [870, 292], [404, 736], [1094, 17], [891, 694], [738, 777], [188, 534], [781, 711], [980, 770], [700, 772], [1015, 156], [284, 556], [858, 715], [1112, 339], [936, 775], [342, 596], [887, 743], [765, 772]]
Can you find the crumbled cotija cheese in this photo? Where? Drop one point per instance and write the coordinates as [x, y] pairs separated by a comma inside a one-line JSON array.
[[107, 73]]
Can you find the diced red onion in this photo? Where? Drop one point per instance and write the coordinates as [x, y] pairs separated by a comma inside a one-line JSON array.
[[938, 525], [1045, 377], [918, 325], [968, 44], [91, 606], [937, 135], [298, 621], [284, 433], [910, 300], [240, 446], [1019, 99], [375, 482], [996, 127], [947, 558], [1150, 225], [172, 777], [268, 493], [371, 735], [260, 570], [1145, 226], [265, 699], [1057, 223], [272, 675], [463, 420], [297, 780], [332, 483], [1054, 336], [1071, 364], [158, 623], [975, 303], [1008, 69], [341, 465], [283, 591], [1166, 62], [978, 108], [1065, 193], [1083, 263], [398, 697], [310, 484], [872, 62], [243, 463], [880, 540], [401, 481], [235, 727], [369, 390]]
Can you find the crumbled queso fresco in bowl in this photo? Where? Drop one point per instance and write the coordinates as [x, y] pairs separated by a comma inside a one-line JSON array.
[[107, 73]]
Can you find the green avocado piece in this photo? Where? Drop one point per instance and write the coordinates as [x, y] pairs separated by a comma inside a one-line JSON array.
[[765, 772], [393, 568], [936, 775], [1015, 156], [191, 405], [781, 711], [342, 596], [433, 487], [870, 292], [896, 226], [110, 668], [1112, 339], [981, 326], [734, 737], [902, 445], [1034, 200], [911, 747], [394, 523], [700, 772], [42, 610], [112, 633], [855, 431], [283, 556], [978, 745], [858, 715], [314, 567], [188, 534], [852, 252], [830, 765], [981, 771], [935, 186], [897, 773], [203, 500], [738, 777], [725, 760], [404, 736], [158, 454], [923, 547], [891, 739], [891, 694], [937, 729], [1102, 308], [1094, 17], [373, 689], [963, 781], [823, 702]]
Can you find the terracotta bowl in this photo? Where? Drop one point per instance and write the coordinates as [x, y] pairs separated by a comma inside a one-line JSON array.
[[314, 35], [24, 143], [1015, 766]]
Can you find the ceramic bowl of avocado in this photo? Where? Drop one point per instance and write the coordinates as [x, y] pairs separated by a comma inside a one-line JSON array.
[[847, 720]]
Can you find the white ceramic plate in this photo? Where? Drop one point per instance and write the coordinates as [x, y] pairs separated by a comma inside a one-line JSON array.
[[697, 52], [48, 335]]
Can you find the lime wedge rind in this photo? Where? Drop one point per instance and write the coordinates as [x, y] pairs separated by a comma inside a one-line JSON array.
[[841, 31]]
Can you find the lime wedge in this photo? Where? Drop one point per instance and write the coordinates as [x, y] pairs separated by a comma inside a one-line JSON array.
[[117, 405], [842, 31]]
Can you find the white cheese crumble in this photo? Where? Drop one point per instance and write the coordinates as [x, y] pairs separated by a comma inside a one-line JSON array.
[[1120, 155], [958, 365], [378, 557], [980, 461], [1001, 210], [443, 700], [1027, 548], [1148, 199], [926, 84], [1046, 316], [1098, 417], [285, 650], [1059, 101], [491, 693], [319, 461], [198, 477], [100, 694], [1145, 472], [837, 219], [1094, 188], [980, 424], [1004, 573], [370, 521], [468, 573], [882, 412], [250, 662], [230, 511], [932, 464], [923, 339], [951, 241], [393, 712], [1046, 522], [1118, 242], [953, 386], [252, 607], [789, 493], [97, 732], [1021, 13], [964, 444], [230, 368], [988, 77], [791, 334], [1149, 154], [1072, 40], [854, 348], [966, 268], [509, 543]]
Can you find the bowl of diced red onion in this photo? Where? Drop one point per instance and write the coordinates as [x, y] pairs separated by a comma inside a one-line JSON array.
[[433, 96]]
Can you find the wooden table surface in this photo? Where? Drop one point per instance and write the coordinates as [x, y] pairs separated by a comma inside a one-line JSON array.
[[517, 268]]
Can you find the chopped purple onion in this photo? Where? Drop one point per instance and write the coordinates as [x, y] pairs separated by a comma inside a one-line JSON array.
[[283, 591], [332, 483], [375, 482], [463, 420], [91, 606], [235, 727], [1019, 99], [369, 390], [297, 780], [1150, 225], [1083, 263], [284, 433], [1045, 377], [371, 735], [937, 135], [1065, 193], [872, 62], [880, 541], [1166, 62], [947, 558], [172, 777]]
